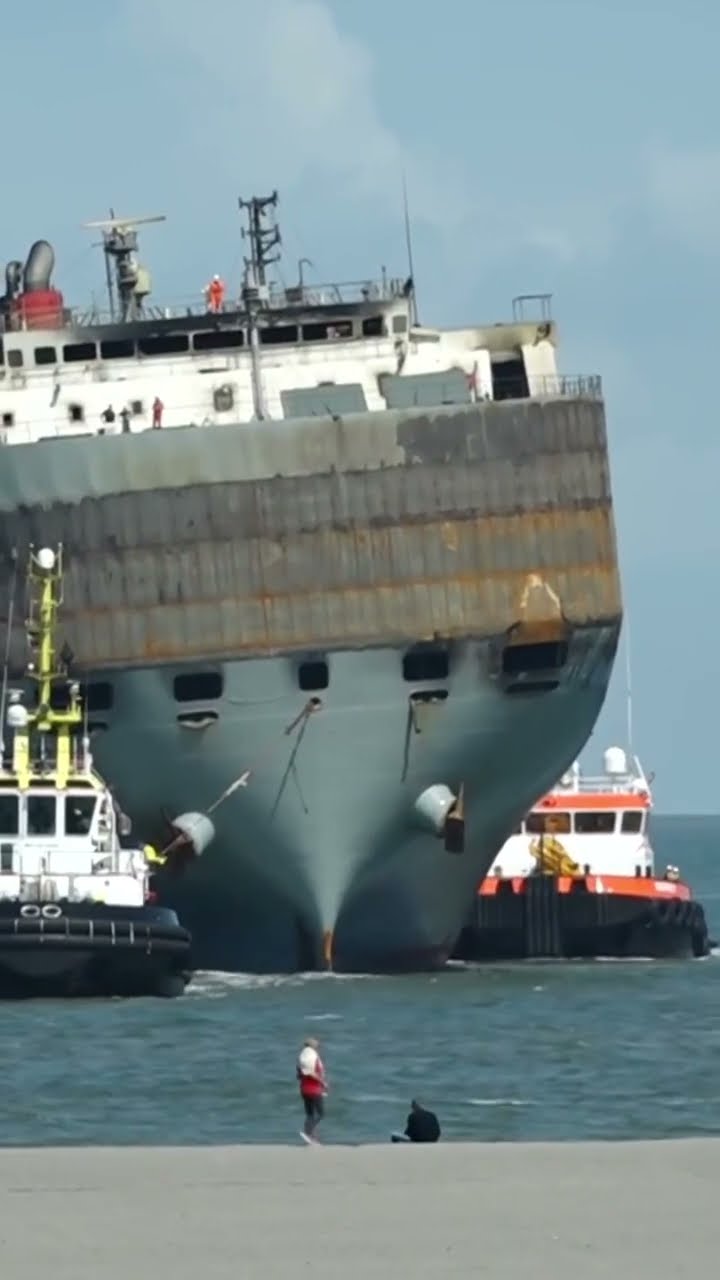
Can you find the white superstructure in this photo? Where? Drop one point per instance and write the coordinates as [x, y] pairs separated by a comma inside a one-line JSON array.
[[592, 825], [267, 353]]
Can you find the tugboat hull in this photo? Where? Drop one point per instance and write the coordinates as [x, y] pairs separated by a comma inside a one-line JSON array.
[[544, 917], [62, 950]]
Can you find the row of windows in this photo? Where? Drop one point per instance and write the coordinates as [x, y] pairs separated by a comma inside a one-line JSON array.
[[44, 813], [420, 664], [174, 344], [603, 822]]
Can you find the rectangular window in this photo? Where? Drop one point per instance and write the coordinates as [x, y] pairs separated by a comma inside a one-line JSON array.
[[323, 401], [319, 331], [45, 355], [15, 359], [632, 821], [373, 327], [165, 344], [78, 352], [218, 340], [79, 812], [548, 824], [117, 349], [9, 814], [424, 390], [41, 817], [275, 334], [601, 823]]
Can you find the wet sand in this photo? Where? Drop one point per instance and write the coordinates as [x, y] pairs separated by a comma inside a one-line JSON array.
[[570, 1211]]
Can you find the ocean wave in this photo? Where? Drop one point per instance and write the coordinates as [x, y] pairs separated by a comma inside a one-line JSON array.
[[498, 1102], [215, 984]]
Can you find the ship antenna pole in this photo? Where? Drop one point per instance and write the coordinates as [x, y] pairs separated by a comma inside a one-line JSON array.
[[108, 271], [628, 684], [6, 659], [254, 293], [408, 246]]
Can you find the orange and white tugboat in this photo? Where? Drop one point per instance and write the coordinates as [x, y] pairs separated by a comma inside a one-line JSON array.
[[577, 879]]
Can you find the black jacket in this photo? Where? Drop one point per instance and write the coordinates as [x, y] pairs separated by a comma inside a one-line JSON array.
[[422, 1126]]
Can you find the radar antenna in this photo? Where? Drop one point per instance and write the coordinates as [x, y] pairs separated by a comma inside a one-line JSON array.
[[263, 235], [119, 243]]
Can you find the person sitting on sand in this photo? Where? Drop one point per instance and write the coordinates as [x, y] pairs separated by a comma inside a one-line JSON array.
[[422, 1126], [313, 1086]]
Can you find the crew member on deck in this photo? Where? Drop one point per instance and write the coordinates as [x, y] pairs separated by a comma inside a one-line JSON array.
[[157, 412], [215, 294]]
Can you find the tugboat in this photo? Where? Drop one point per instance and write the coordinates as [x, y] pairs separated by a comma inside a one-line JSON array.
[[577, 879], [78, 915]]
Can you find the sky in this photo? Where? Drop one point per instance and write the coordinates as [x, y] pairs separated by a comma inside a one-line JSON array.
[[560, 146]]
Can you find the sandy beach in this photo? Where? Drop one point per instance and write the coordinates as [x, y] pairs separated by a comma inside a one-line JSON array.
[[572, 1211]]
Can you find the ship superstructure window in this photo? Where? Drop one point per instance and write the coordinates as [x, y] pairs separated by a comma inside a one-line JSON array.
[[373, 327], [164, 344], [78, 352], [218, 340], [79, 812], [600, 823], [509, 379], [41, 817], [326, 400], [99, 695], [8, 419], [313, 675], [137, 408], [117, 349], [426, 390], [632, 822], [45, 355], [399, 324], [198, 686], [76, 413], [546, 655], [425, 662], [322, 330], [548, 824], [9, 815], [278, 333], [15, 358]]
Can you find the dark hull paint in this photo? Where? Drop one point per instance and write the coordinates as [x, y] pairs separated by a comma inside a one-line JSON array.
[[546, 924], [87, 949]]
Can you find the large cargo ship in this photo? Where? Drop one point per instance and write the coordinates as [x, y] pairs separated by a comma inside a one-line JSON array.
[[365, 564]]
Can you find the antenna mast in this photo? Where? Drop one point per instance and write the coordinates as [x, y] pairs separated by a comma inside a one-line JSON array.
[[408, 245], [628, 685], [263, 238], [119, 243]]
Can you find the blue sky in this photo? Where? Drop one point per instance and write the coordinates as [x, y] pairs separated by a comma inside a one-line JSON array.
[[565, 146]]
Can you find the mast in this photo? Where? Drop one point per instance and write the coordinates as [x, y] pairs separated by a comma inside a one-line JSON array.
[[119, 244], [45, 597], [263, 237]]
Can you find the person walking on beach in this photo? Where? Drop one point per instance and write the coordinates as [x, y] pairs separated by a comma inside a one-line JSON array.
[[313, 1086]]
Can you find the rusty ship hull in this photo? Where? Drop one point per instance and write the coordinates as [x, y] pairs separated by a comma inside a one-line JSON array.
[[357, 610]]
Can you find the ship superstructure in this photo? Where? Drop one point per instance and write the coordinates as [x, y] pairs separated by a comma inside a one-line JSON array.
[[371, 561]]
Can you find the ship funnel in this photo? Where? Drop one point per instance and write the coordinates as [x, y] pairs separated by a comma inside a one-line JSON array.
[[39, 267]]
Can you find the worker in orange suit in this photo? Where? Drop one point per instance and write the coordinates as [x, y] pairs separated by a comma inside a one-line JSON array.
[[215, 294]]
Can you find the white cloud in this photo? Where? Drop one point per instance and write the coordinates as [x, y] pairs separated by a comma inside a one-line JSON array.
[[277, 92]]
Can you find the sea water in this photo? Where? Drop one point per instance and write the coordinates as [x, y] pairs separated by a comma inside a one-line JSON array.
[[559, 1051]]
